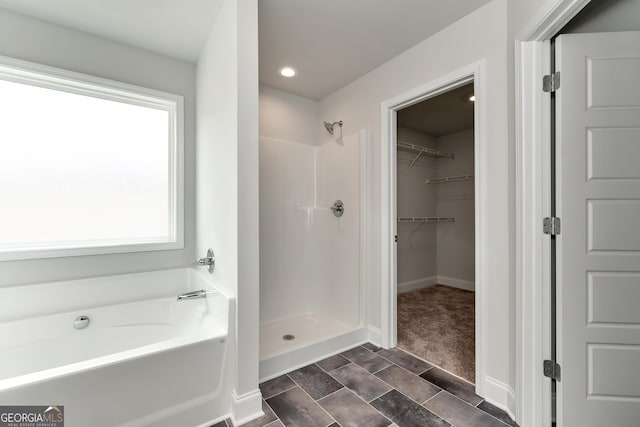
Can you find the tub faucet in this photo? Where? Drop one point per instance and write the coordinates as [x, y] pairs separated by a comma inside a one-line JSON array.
[[201, 293], [209, 261]]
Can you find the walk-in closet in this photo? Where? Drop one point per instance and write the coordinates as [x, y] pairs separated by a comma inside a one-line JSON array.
[[436, 229]]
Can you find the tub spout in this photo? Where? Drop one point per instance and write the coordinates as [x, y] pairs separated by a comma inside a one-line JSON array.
[[193, 295]]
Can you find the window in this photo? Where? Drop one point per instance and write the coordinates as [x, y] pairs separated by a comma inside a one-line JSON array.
[[87, 165]]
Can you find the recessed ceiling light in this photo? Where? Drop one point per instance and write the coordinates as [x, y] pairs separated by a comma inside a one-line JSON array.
[[472, 98], [287, 71]]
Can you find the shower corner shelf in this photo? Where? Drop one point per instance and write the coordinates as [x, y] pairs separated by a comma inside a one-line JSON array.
[[458, 178], [423, 150], [419, 220]]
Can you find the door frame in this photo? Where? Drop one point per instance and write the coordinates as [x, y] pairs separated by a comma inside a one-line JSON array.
[[471, 73], [533, 196]]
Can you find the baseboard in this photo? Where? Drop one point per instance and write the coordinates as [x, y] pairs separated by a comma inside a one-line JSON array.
[[374, 335], [413, 285], [246, 407], [500, 395], [426, 282], [456, 283]]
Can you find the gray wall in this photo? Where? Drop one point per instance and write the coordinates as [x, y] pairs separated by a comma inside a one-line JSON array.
[[606, 16], [36, 41], [417, 251], [455, 241], [436, 253]]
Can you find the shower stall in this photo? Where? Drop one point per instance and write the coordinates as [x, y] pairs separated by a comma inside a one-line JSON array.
[[311, 249]]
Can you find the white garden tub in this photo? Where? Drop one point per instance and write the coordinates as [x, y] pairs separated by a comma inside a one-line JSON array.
[[144, 359]]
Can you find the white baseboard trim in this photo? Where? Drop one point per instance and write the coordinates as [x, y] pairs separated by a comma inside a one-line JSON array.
[[425, 282], [413, 285], [456, 283], [500, 395], [374, 335], [246, 407]]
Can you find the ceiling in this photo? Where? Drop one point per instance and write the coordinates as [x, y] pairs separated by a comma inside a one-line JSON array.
[[330, 42], [333, 42], [441, 115], [177, 28]]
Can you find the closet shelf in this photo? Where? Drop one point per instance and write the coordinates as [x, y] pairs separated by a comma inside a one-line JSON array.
[[419, 220], [422, 150], [427, 219], [449, 179]]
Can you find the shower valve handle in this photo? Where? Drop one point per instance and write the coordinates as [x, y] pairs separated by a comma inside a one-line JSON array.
[[337, 208], [209, 261]]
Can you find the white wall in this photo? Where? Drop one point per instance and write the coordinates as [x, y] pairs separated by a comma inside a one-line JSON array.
[[336, 262], [287, 198], [310, 260], [417, 252], [456, 241], [227, 180], [480, 35], [36, 41], [288, 117]]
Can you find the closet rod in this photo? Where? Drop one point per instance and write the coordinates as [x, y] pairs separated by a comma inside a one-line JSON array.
[[422, 150], [419, 220], [449, 179], [426, 219]]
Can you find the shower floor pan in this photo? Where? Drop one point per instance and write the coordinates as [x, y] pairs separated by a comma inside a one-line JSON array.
[[295, 341]]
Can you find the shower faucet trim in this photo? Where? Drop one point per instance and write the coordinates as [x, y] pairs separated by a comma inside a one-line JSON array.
[[209, 261]]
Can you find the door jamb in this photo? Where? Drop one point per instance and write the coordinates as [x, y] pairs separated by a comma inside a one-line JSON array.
[[470, 73], [533, 195]]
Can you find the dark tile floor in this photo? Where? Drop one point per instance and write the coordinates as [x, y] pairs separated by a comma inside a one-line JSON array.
[[368, 386]]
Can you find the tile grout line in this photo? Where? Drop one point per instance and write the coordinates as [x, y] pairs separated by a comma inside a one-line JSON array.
[[395, 388], [305, 392], [316, 402], [373, 374], [405, 369], [499, 420], [423, 403], [363, 401], [362, 367], [333, 392], [274, 412], [295, 384], [335, 369], [426, 409], [356, 394], [470, 405], [433, 365]]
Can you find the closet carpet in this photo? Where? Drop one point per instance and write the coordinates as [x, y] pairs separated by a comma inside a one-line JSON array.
[[437, 324]]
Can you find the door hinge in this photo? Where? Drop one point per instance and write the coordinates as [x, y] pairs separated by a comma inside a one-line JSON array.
[[551, 225], [551, 370], [395, 238], [551, 82]]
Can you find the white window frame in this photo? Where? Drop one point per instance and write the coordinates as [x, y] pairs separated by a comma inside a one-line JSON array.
[[19, 71]]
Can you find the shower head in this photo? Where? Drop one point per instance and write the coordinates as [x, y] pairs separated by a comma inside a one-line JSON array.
[[329, 126]]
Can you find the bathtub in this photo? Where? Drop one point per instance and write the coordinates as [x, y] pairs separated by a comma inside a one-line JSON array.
[[144, 358]]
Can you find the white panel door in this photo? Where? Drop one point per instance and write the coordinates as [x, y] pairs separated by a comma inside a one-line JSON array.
[[598, 200]]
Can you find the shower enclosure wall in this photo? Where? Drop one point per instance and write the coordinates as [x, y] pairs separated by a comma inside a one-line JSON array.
[[311, 296]]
